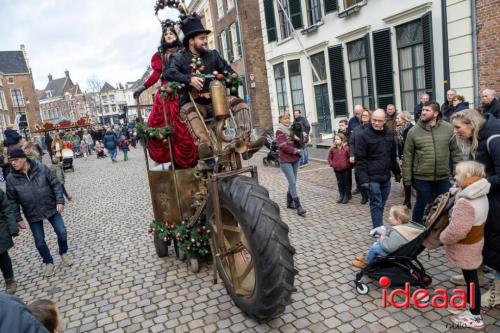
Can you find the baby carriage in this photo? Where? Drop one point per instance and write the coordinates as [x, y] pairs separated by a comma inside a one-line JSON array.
[[273, 155], [67, 159], [402, 265]]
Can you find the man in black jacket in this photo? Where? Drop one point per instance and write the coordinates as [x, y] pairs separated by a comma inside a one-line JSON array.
[[32, 186], [306, 128], [447, 107], [489, 103], [375, 153], [189, 67]]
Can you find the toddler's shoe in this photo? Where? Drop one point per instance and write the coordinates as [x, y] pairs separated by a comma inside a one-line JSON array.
[[359, 264]]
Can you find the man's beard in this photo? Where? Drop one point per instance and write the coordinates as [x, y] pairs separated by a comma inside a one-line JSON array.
[[200, 50]]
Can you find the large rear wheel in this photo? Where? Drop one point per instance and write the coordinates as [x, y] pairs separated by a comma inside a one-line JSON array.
[[256, 262]]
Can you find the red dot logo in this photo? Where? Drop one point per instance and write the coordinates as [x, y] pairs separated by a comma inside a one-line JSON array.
[[384, 282]]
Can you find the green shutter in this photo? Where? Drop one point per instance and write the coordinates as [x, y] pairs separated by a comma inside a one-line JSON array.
[[270, 20], [382, 57], [229, 41], [330, 6], [295, 13], [428, 54], [337, 75]]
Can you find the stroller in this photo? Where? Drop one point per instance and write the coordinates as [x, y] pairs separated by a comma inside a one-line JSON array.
[[273, 155], [402, 265], [67, 159]]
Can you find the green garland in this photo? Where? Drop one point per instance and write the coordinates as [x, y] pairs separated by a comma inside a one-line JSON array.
[[166, 232], [170, 89], [147, 133]]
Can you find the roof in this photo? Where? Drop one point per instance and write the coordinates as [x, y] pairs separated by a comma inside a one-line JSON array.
[[107, 87], [57, 88], [13, 62]]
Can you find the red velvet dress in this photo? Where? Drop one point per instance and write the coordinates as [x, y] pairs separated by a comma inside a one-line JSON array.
[[184, 149]]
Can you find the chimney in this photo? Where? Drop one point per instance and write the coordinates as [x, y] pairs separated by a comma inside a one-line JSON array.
[[66, 72], [50, 77], [25, 55]]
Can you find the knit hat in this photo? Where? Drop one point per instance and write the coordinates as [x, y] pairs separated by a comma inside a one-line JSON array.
[[17, 153]]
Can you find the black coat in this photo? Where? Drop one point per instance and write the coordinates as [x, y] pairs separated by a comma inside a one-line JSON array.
[[491, 160], [461, 106], [16, 317], [493, 108], [48, 142], [179, 69], [352, 139], [37, 194], [304, 123], [375, 154], [8, 225], [446, 111], [418, 111], [12, 137]]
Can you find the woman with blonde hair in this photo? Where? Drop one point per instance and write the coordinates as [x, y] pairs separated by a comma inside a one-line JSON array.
[[403, 125], [479, 138]]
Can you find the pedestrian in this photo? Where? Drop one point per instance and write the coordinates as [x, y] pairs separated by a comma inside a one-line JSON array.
[[125, 147], [111, 142], [355, 121], [32, 186], [87, 137], [489, 103], [289, 156], [344, 129], [57, 146], [12, 137], [48, 143], [338, 158], [306, 129], [57, 170], [84, 149], [463, 238], [429, 148], [99, 149], [424, 98], [479, 139], [16, 317], [375, 153], [401, 231], [47, 312], [447, 107], [459, 103], [365, 123], [8, 229], [33, 150], [391, 120], [403, 126]]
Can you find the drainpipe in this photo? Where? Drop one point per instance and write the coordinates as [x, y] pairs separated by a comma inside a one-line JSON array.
[[446, 51], [474, 52]]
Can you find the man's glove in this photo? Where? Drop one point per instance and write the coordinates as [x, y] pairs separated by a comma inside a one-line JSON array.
[[365, 187], [397, 177], [139, 91]]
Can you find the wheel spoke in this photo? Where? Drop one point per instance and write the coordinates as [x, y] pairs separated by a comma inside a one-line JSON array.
[[245, 273]]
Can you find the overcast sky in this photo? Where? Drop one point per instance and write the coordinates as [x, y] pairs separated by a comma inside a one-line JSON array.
[[111, 40]]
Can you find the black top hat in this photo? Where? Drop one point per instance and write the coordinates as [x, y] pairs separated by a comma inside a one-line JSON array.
[[191, 26]]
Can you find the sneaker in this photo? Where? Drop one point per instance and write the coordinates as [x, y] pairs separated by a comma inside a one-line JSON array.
[[359, 264], [49, 270], [468, 320], [10, 286], [66, 259], [458, 280], [457, 312]]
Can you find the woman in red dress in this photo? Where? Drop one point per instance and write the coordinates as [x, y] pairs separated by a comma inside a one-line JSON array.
[[166, 110]]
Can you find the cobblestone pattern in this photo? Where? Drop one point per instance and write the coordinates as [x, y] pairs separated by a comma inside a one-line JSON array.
[[118, 284]]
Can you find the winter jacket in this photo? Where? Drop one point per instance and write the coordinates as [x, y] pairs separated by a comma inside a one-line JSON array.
[[353, 123], [8, 225], [110, 141], [12, 137], [491, 160], [427, 152], [88, 138], [38, 193], [57, 170], [376, 156], [493, 108], [463, 238], [124, 145], [402, 134], [446, 111], [16, 317], [306, 128], [287, 149], [391, 123], [399, 235], [461, 106], [352, 138], [338, 158], [418, 111], [48, 142]]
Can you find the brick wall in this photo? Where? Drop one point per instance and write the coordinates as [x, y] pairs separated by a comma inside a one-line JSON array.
[[488, 43]]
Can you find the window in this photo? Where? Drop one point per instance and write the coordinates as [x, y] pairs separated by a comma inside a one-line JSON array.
[[3, 102], [350, 3], [224, 44], [318, 61], [356, 54], [279, 77], [313, 11], [10, 80], [236, 38], [17, 98], [411, 63], [296, 86], [220, 8], [208, 18], [285, 28], [230, 5]]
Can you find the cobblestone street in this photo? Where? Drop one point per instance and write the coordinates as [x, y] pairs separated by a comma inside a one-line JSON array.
[[118, 284]]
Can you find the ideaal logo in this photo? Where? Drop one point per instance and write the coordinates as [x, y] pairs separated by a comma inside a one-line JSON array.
[[422, 298]]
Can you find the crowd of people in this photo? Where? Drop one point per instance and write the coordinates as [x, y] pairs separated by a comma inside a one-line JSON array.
[[442, 148]]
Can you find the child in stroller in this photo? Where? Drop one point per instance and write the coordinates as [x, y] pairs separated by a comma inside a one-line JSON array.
[[273, 155], [99, 149]]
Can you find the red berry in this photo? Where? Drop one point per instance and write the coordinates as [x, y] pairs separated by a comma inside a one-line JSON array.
[[169, 90], [201, 69]]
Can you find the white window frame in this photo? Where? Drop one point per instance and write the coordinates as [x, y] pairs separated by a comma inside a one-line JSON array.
[[230, 5], [224, 44], [234, 35], [10, 80], [220, 9], [21, 102]]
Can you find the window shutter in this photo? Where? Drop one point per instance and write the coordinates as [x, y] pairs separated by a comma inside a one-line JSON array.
[[369, 74], [330, 6], [238, 36], [270, 20], [382, 56], [339, 94], [219, 44], [295, 13], [428, 54], [229, 43]]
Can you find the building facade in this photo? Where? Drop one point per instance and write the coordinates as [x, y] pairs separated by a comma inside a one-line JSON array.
[[365, 52], [4, 110], [19, 90], [487, 28], [234, 27]]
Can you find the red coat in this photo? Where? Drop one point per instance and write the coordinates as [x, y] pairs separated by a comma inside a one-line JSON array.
[[338, 158], [184, 148], [287, 148]]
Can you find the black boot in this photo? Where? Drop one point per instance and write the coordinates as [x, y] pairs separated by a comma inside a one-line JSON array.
[[289, 201], [408, 196], [346, 198], [364, 197], [301, 211], [341, 195]]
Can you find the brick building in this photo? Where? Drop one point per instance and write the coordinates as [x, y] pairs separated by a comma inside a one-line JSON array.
[[19, 89], [488, 43], [234, 25]]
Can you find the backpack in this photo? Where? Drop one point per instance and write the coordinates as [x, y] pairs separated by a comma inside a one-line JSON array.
[[437, 219]]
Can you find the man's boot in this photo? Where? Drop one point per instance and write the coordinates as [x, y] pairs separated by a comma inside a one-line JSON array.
[[289, 201], [364, 197], [301, 211], [345, 199], [200, 134], [341, 195], [10, 286], [253, 147]]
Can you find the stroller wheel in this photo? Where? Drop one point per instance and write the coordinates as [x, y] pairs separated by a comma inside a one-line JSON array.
[[277, 163], [426, 281], [265, 161], [362, 288]]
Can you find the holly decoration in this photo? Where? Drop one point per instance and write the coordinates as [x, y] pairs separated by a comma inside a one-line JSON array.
[[198, 67], [232, 80], [193, 239], [148, 133], [170, 89], [165, 232]]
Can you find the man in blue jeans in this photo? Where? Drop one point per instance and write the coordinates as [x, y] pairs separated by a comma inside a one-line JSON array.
[[306, 129], [375, 153], [32, 186]]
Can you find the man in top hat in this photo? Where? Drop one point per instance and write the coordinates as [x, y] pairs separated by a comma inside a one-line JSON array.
[[183, 67]]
